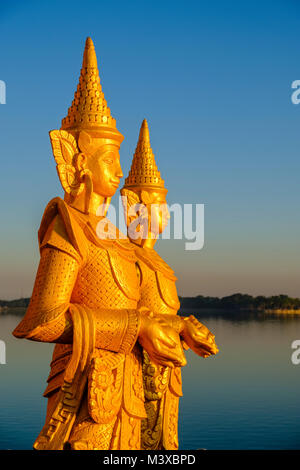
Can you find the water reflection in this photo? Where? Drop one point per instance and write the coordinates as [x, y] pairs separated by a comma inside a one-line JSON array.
[[241, 316], [245, 397]]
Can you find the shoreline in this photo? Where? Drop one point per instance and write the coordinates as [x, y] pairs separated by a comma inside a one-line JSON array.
[[235, 310], [6, 310], [185, 310], [284, 311]]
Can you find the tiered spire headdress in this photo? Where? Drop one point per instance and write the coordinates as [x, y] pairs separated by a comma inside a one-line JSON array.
[[144, 174], [89, 110]]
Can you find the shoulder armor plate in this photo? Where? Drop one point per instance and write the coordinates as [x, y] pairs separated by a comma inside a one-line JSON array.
[[168, 291], [124, 272]]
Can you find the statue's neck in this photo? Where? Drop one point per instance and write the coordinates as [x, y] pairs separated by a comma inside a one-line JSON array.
[[145, 242], [148, 242], [87, 207]]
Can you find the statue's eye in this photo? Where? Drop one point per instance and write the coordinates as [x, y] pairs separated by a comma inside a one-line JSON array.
[[108, 160]]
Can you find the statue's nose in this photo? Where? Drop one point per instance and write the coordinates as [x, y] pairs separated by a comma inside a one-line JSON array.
[[119, 172]]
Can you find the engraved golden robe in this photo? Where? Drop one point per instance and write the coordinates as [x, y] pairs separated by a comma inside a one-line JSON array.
[[162, 385], [85, 300]]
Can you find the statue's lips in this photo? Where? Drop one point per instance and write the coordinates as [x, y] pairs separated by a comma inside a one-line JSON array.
[[115, 184]]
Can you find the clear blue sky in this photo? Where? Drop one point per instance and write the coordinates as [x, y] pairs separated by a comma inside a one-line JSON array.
[[213, 80]]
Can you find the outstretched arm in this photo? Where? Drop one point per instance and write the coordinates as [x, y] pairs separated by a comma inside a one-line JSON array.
[[48, 316]]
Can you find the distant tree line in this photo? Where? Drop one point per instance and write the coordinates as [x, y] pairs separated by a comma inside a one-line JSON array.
[[231, 302], [15, 303], [242, 302]]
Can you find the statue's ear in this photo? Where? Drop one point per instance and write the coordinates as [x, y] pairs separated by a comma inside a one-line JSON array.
[[80, 161], [84, 142]]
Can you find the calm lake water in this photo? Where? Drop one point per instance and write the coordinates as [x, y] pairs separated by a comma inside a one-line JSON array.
[[246, 397]]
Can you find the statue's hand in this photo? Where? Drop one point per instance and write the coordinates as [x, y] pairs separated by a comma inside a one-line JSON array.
[[161, 342], [198, 337]]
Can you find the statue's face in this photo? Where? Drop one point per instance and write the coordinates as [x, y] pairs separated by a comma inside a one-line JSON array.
[[104, 163], [159, 212], [147, 213]]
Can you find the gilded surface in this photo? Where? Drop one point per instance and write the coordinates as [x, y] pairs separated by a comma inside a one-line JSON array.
[[114, 378], [105, 386], [162, 384]]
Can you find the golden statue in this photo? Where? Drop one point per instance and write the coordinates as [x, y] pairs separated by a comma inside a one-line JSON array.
[[144, 192], [87, 293]]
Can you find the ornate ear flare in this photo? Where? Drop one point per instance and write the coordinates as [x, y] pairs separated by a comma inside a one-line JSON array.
[[66, 154], [65, 150]]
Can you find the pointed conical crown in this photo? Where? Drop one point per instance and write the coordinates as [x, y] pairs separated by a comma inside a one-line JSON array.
[[143, 173], [89, 110]]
